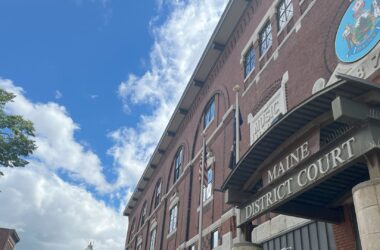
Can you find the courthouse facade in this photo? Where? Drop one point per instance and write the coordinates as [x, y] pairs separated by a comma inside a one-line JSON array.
[[305, 171]]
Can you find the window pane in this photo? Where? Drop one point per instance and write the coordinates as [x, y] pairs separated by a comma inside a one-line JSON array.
[[209, 113], [214, 239], [173, 219], [265, 38], [157, 195], [207, 190], [152, 239], [249, 60], [178, 164], [209, 176], [285, 12]]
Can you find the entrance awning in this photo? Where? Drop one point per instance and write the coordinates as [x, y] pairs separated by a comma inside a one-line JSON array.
[[348, 86]]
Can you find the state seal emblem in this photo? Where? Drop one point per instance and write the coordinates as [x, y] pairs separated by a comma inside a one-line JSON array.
[[359, 30]]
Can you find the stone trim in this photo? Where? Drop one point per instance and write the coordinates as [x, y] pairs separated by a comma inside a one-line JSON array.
[[230, 213], [277, 226]]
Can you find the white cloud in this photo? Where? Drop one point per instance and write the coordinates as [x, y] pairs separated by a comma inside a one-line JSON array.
[[57, 147], [178, 45], [48, 213]]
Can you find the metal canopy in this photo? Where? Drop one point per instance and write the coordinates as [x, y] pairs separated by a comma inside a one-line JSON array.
[[304, 113], [323, 202]]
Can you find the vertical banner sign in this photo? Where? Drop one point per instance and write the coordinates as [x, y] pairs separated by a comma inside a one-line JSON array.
[[359, 30], [263, 119]]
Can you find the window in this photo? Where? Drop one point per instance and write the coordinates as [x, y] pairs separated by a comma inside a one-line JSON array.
[[132, 229], [284, 13], [143, 214], [152, 239], [138, 245], [177, 164], [209, 113], [173, 219], [207, 190], [214, 239], [249, 61], [157, 194], [265, 38], [192, 247]]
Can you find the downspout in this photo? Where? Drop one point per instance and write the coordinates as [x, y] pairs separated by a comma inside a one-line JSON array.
[[189, 204]]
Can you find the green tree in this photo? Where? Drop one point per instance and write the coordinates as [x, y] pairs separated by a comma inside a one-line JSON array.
[[15, 142]]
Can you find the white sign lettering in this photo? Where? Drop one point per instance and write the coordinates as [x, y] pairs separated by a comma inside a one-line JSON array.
[[297, 181], [291, 160], [275, 106]]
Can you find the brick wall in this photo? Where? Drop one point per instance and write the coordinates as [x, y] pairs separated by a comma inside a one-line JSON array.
[[344, 233]]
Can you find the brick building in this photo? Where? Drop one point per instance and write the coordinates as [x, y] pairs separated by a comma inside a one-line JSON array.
[[305, 74]]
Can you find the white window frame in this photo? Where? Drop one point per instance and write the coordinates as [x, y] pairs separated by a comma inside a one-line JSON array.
[[139, 243], [209, 114], [173, 215], [143, 214], [152, 242], [265, 38], [214, 239], [285, 12], [157, 194], [178, 162], [249, 60]]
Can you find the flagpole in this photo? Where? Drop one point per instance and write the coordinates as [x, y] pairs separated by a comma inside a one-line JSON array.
[[201, 193], [236, 89], [237, 124]]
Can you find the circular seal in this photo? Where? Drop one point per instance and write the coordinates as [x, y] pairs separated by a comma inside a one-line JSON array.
[[359, 30]]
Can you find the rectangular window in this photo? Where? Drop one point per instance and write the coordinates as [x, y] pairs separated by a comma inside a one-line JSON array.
[[207, 190], [178, 164], [192, 247], [139, 246], [284, 13], [152, 239], [249, 61], [173, 219], [214, 239], [143, 214], [157, 195], [265, 38], [209, 113]]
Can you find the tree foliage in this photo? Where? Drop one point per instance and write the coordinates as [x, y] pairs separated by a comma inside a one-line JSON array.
[[15, 142]]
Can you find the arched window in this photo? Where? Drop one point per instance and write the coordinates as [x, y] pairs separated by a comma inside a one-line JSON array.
[[143, 215], [178, 160], [157, 194], [209, 113]]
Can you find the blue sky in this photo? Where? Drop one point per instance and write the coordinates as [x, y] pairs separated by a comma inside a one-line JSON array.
[[82, 50], [92, 75]]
